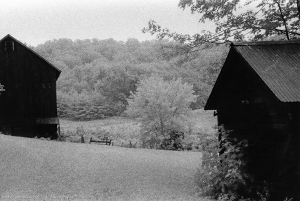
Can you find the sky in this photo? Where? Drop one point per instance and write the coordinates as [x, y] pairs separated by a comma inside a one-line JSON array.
[[36, 21]]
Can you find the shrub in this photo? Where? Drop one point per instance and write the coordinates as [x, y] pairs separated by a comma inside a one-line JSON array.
[[223, 174], [173, 142], [162, 105], [150, 141]]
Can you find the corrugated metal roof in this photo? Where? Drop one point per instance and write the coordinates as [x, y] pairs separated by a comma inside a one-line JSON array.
[[277, 64]]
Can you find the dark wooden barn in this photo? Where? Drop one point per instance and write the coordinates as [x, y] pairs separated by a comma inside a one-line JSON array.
[[28, 104], [257, 96]]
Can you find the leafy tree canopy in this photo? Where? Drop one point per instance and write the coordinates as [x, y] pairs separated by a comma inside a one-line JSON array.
[[162, 105], [98, 75], [238, 20]]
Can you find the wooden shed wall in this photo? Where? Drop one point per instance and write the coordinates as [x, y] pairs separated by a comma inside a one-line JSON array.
[[30, 87], [244, 100], [248, 107]]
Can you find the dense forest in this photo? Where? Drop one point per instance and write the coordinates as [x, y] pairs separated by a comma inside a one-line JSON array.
[[98, 75]]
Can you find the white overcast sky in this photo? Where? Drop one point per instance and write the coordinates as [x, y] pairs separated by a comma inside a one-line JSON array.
[[36, 21]]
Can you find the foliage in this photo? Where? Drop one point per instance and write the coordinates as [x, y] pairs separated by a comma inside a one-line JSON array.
[[125, 130], [162, 105], [223, 174], [1, 88], [237, 20], [98, 75], [81, 134], [120, 129], [173, 142], [84, 107]]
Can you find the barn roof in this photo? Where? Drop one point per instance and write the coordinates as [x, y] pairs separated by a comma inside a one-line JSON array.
[[50, 64], [276, 63]]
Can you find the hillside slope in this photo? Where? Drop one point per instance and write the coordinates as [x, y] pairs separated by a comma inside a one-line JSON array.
[[33, 169]]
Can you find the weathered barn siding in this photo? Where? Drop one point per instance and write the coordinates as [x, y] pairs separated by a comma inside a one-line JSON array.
[[28, 104], [257, 96]]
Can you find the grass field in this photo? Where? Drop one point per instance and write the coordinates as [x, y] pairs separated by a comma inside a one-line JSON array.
[[123, 130], [33, 169]]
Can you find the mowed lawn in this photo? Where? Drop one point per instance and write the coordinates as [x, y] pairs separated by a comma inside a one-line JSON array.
[[33, 169]]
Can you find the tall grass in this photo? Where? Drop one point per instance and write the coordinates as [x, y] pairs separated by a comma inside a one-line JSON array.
[[126, 132], [120, 130]]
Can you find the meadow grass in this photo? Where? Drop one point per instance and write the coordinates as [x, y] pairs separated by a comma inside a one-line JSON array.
[[125, 130], [120, 129], [33, 169]]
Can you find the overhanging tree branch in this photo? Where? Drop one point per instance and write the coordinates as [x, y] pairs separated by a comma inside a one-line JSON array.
[[284, 21], [259, 22]]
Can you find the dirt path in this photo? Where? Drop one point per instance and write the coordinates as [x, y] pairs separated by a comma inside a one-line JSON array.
[[32, 169]]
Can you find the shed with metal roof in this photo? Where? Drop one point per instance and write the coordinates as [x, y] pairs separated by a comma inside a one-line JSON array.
[[257, 97], [28, 104]]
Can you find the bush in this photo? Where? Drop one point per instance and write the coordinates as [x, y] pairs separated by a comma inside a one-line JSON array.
[[223, 174], [150, 141], [163, 106], [173, 142]]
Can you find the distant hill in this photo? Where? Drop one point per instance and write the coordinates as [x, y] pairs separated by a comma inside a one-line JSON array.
[[98, 75]]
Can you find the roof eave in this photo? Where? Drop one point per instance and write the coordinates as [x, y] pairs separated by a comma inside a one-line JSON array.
[[210, 105]]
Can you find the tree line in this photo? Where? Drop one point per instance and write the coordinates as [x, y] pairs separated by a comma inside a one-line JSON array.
[[98, 75]]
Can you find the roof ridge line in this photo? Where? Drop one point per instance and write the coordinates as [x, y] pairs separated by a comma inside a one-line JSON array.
[[257, 43], [33, 51]]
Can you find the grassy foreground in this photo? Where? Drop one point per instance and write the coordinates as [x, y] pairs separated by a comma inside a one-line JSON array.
[[33, 169]]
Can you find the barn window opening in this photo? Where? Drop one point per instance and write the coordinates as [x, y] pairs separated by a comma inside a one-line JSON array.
[[9, 46]]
